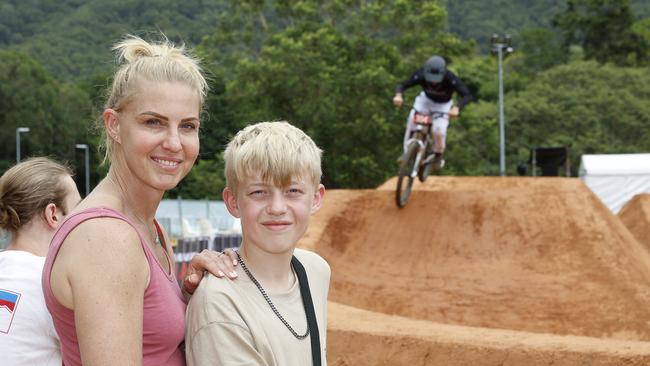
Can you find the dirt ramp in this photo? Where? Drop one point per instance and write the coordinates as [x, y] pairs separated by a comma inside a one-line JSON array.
[[361, 337], [534, 255], [635, 215]]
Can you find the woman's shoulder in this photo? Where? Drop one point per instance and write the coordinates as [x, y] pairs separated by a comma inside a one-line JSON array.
[[91, 243], [103, 223], [98, 232]]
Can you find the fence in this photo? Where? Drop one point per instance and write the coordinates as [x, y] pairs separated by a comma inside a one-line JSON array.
[[186, 248]]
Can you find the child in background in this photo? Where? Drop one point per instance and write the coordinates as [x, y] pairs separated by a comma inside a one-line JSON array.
[[35, 196]]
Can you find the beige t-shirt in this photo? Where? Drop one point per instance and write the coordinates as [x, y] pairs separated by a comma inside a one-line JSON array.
[[230, 323]]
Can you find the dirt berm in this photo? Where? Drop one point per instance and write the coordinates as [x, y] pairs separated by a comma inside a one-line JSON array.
[[635, 215], [482, 271]]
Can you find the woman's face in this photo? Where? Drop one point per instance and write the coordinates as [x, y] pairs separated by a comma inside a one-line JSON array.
[[157, 133]]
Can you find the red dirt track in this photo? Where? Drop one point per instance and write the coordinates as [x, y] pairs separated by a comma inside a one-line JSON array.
[[482, 271]]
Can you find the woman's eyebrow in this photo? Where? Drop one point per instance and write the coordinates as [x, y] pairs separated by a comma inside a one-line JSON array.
[[158, 115]]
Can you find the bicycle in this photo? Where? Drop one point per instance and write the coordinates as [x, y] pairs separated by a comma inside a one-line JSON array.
[[412, 160]]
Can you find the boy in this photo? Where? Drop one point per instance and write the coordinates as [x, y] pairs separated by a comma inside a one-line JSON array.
[[273, 185]]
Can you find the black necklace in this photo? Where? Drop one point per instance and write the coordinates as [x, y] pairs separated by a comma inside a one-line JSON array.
[[268, 301]]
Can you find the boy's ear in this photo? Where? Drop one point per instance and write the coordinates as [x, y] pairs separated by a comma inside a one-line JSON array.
[[51, 216], [112, 124], [318, 199], [231, 202]]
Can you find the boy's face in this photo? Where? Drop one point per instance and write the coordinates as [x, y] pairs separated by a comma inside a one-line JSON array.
[[273, 218]]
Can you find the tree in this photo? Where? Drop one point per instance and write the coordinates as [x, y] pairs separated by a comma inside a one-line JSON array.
[[595, 108], [330, 68], [72, 38], [58, 114], [479, 19], [604, 30], [205, 181], [541, 50]]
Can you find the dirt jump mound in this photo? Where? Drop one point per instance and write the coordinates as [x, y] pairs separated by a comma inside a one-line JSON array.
[[518, 257], [635, 215]]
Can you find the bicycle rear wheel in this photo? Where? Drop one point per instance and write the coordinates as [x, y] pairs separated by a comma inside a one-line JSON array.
[[405, 180]]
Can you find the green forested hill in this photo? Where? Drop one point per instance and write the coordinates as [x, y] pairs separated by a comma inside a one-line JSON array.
[[479, 19], [72, 38], [330, 67]]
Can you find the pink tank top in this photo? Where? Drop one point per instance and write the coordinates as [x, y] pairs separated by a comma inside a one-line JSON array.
[[164, 307]]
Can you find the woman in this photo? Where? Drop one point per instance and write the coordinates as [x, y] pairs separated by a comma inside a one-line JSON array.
[[35, 196], [108, 279]]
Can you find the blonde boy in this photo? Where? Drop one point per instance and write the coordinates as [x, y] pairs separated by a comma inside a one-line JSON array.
[[273, 185]]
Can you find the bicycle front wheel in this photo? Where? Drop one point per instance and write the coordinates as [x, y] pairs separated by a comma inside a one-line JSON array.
[[405, 179]]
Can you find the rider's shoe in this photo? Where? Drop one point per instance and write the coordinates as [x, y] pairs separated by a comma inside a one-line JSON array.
[[438, 161], [429, 159]]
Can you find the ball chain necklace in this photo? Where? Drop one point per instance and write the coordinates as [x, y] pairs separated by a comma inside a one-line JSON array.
[[268, 300]]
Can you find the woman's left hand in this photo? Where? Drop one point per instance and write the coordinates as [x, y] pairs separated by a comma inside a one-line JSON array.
[[220, 264]]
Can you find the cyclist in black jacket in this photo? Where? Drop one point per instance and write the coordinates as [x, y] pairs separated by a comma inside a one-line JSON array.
[[438, 86]]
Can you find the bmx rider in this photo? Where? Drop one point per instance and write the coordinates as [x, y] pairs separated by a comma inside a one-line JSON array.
[[438, 86]]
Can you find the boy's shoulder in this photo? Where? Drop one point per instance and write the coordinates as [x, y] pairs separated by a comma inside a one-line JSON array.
[[312, 262], [215, 300], [213, 290], [309, 256], [212, 286]]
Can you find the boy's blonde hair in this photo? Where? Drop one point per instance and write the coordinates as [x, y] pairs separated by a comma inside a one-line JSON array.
[[158, 62], [28, 187], [275, 151]]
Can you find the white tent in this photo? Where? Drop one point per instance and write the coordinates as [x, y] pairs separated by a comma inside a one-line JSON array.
[[616, 178]]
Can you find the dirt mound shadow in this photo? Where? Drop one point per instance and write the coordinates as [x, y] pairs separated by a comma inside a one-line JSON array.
[[635, 215]]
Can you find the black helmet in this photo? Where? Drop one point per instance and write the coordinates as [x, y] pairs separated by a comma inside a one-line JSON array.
[[434, 69]]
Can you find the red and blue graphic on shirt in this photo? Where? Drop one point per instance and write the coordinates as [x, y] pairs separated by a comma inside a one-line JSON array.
[[8, 300], [8, 303]]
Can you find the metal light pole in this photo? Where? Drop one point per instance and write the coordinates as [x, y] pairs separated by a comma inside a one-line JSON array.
[[19, 130], [87, 165], [499, 47]]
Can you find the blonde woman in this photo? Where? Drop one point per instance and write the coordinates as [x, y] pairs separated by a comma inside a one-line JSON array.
[[109, 279]]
